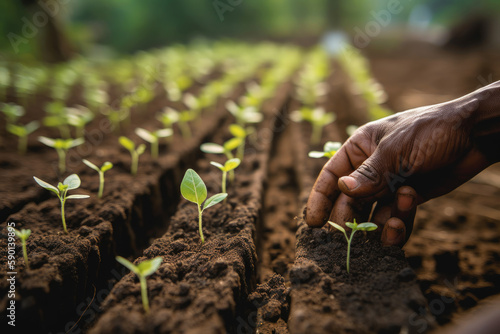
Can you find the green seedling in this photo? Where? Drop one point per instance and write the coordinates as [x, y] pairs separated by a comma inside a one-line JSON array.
[[23, 235], [171, 116], [12, 112], [142, 270], [330, 148], [318, 119], [104, 168], [153, 138], [116, 117], [134, 152], [354, 227], [61, 146], [79, 117], [57, 118], [194, 190], [168, 117], [241, 133], [225, 149], [227, 167], [22, 131], [70, 183], [244, 115]]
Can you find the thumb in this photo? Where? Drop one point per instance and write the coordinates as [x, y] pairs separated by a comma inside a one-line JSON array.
[[368, 180]]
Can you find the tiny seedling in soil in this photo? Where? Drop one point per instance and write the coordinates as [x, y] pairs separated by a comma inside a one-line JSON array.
[[153, 138], [79, 117], [23, 235], [330, 148], [57, 118], [70, 183], [142, 270], [134, 152], [22, 131], [105, 167], [194, 190], [318, 119], [241, 133], [61, 146], [244, 115], [225, 149], [354, 227], [229, 165], [12, 112]]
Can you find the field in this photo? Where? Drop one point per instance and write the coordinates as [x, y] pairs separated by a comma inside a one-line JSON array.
[[261, 269]]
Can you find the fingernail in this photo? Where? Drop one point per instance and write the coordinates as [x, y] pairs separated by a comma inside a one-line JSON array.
[[405, 202], [350, 183], [393, 235]]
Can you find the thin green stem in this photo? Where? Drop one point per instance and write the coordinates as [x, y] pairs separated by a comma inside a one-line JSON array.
[[200, 224], [144, 293], [316, 133], [185, 129], [64, 130], [62, 160], [135, 163], [224, 176], [25, 254], [349, 249], [101, 184], [62, 212], [241, 150], [154, 149]]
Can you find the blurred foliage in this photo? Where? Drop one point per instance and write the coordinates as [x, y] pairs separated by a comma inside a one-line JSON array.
[[130, 25]]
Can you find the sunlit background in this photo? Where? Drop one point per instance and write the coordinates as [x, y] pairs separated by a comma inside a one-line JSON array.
[[54, 30]]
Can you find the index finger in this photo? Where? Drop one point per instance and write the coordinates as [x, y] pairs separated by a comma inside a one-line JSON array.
[[326, 190]]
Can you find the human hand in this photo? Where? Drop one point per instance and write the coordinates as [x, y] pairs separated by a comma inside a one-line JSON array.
[[400, 161]]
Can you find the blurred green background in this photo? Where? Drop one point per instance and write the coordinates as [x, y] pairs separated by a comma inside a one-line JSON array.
[[124, 26]]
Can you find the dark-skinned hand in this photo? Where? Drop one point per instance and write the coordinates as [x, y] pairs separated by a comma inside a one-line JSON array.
[[404, 160]]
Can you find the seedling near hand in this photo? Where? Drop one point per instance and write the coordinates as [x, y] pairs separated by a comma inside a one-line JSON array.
[[61, 146], [134, 153], [330, 148], [22, 131], [23, 235], [105, 167], [194, 190], [228, 166], [70, 183], [142, 270], [153, 138], [355, 227]]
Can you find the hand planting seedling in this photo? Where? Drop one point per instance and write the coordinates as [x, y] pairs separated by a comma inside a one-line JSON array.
[[194, 190], [153, 138], [70, 183], [355, 227], [134, 153], [105, 167], [61, 146], [229, 165], [22, 131], [318, 119], [330, 148], [142, 270], [23, 235]]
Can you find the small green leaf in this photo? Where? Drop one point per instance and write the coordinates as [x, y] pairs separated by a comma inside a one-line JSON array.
[[367, 227], [163, 133], [337, 226], [146, 135], [31, 127], [47, 141], [140, 150], [218, 165], [127, 143], [316, 154], [232, 144], [351, 225], [237, 131], [193, 188], [232, 164], [91, 165], [77, 196], [75, 142], [214, 200], [45, 185], [128, 264], [332, 146], [72, 181], [212, 148], [23, 234], [148, 267], [106, 166]]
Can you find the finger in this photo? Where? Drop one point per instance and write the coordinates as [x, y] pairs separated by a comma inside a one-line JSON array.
[[325, 190], [405, 208], [346, 209], [394, 233]]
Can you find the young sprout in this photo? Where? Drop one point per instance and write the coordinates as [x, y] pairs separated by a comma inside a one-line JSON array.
[[57, 118], [104, 168], [23, 235], [194, 190], [79, 117], [192, 103], [229, 165], [244, 115], [153, 138], [134, 152], [61, 146], [22, 131], [354, 227], [70, 183], [330, 148], [116, 117], [241, 133], [318, 119], [225, 149], [12, 112], [168, 117], [142, 270]]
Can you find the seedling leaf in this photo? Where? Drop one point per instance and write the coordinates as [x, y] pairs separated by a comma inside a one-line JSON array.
[[316, 154], [146, 135], [218, 165], [367, 227], [337, 226], [128, 264], [72, 181], [127, 143], [212, 148], [232, 164], [47, 186], [148, 267], [352, 225], [237, 131], [193, 188], [106, 166], [77, 196], [214, 200], [47, 141], [141, 149], [91, 165], [232, 144]]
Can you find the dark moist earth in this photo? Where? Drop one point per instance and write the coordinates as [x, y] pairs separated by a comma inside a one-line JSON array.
[[299, 283]]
